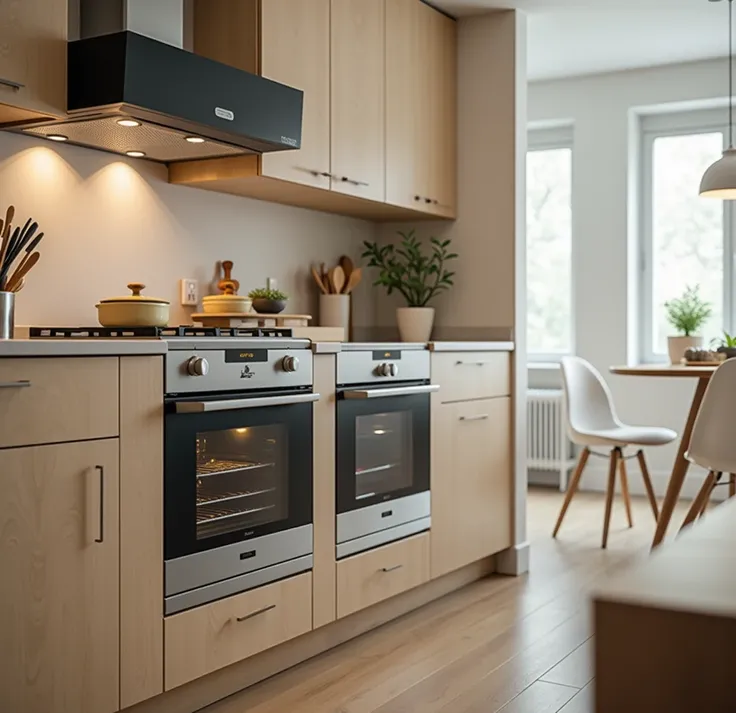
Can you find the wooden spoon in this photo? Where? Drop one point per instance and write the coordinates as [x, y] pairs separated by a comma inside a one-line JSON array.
[[353, 281], [9, 215], [347, 265], [337, 278], [318, 279], [23, 269]]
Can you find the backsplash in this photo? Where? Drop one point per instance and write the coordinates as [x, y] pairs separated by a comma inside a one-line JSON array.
[[109, 221]]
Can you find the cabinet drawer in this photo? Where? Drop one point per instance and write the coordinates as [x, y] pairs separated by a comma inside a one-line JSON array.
[[57, 400], [463, 376], [373, 576], [216, 635]]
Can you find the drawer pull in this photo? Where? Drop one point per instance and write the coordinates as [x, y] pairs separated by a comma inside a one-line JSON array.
[[14, 384], [255, 613], [472, 363], [481, 417], [101, 471], [10, 83], [391, 569]]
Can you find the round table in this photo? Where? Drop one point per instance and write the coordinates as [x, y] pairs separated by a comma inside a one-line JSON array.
[[679, 469]]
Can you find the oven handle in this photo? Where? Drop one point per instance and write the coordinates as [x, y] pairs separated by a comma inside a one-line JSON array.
[[237, 404], [397, 391]]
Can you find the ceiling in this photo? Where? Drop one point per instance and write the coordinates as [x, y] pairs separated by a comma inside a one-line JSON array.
[[573, 37]]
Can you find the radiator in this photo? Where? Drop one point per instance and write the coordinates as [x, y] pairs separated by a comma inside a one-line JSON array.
[[548, 448]]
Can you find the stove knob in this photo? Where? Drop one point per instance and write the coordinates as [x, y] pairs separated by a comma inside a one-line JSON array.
[[383, 370], [393, 369], [198, 366], [290, 363]]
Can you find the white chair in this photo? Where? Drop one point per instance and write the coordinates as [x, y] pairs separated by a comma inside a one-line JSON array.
[[712, 444], [591, 422]]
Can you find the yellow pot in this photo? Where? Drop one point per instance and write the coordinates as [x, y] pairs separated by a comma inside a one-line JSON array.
[[134, 310], [224, 304]]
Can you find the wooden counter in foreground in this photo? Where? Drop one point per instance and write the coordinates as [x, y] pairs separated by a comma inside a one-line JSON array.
[[666, 629]]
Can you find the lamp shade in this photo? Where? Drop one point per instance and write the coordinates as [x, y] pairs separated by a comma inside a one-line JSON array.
[[719, 181]]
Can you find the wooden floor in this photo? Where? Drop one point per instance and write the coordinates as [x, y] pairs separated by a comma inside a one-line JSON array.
[[517, 645]]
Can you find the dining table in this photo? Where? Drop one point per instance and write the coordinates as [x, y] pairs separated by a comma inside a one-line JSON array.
[[702, 375]]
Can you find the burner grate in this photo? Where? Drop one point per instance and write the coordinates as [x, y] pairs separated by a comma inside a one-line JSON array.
[[155, 332]]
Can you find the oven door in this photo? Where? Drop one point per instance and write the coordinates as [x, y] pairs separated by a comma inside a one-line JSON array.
[[382, 444], [236, 469]]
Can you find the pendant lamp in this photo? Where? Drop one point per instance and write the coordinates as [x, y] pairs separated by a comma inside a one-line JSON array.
[[719, 181]]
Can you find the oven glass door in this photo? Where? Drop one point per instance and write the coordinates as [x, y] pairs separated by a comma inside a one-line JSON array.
[[382, 449], [236, 474]]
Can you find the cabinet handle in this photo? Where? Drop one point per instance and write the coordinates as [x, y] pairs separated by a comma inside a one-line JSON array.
[[13, 85], [482, 417], [472, 363], [14, 384], [417, 198], [101, 471], [345, 179], [391, 569], [327, 174], [427, 200], [255, 613]]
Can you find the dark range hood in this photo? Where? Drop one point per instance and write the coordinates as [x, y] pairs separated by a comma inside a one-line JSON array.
[[130, 94]]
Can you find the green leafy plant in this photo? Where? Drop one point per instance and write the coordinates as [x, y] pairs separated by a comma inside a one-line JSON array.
[[689, 312], [408, 270], [727, 341], [264, 293]]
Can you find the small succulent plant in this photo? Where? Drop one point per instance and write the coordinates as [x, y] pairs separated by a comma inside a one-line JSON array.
[[265, 293]]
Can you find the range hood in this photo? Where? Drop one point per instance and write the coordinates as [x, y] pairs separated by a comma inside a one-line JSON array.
[[131, 94]]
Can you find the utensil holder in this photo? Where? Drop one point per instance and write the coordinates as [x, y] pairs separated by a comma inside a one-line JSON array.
[[7, 315], [334, 311]]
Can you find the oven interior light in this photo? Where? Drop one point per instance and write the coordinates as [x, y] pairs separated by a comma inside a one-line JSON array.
[[379, 432]]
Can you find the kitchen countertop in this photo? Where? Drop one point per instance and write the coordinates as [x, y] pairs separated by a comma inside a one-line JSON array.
[[471, 346], [80, 347]]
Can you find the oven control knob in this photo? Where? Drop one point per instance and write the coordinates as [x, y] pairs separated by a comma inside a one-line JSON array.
[[198, 366], [393, 369], [290, 363], [383, 370]]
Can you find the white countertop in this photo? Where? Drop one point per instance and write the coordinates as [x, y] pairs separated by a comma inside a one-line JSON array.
[[80, 347]]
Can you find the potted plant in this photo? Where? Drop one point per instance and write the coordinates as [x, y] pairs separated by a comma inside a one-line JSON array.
[[418, 277], [687, 314], [726, 345], [268, 301]]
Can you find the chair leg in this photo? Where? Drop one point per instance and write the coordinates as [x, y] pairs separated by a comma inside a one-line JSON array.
[[731, 485], [615, 455], [572, 488], [625, 490], [706, 502], [701, 499], [648, 484]]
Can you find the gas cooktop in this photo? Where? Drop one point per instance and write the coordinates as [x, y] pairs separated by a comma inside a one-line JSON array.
[[158, 332]]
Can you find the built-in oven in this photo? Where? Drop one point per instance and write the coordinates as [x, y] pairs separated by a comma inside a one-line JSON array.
[[383, 446], [237, 471]]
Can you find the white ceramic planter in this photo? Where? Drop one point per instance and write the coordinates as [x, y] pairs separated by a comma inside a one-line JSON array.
[[415, 323], [676, 347]]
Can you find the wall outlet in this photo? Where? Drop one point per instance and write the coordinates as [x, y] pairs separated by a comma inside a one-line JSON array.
[[189, 292], [272, 283]]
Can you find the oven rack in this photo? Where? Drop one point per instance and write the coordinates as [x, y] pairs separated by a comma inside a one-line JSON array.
[[219, 466], [204, 499], [208, 514]]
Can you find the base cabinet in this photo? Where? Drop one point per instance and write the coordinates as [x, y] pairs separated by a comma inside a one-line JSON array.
[[59, 592], [471, 482]]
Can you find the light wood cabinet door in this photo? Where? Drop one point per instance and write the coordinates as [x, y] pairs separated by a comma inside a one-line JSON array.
[[439, 111], [295, 50], [33, 35], [471, 482], [358, 101], [59, 590]]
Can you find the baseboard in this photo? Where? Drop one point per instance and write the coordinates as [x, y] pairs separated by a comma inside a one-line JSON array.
[[513, 561], [595, 479]]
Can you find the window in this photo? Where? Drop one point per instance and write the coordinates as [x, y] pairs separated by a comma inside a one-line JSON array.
[[686, 238], [549, 245]]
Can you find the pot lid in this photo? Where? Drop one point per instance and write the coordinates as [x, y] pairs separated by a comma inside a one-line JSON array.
[[210, 298], [137, 297]]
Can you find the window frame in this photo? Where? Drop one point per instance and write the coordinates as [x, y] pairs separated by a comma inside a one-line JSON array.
[[652, 127], [550, 139]]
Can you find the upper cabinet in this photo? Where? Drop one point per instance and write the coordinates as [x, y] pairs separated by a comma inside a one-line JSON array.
[[421, 107], [33, 35], [358, 88], [378, 128]]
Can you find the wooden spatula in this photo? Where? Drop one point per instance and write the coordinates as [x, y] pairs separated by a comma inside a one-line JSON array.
[[337, 278], [347, 265], [23, 269], [318, 279], [353, 281]]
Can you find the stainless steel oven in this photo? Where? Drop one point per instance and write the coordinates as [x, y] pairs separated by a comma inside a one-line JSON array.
[[383, 429], [238, 467]]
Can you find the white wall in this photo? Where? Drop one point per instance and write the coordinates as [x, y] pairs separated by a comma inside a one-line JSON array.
[[110, 220], [603, 110]]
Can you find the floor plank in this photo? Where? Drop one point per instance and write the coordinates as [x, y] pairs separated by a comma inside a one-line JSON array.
[[574, 670], [499, 643]]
